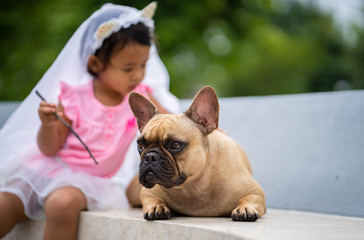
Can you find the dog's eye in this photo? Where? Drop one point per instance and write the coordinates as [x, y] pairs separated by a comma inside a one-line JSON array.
[[140, 147], [176, 145]]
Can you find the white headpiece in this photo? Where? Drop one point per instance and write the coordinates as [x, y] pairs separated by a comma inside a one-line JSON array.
[[124, 20], [19, 132]]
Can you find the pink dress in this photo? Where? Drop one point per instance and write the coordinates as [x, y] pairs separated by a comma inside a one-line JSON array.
[[108, 132]]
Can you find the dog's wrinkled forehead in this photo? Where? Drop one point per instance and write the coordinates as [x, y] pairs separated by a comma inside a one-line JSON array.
[[162, 126]]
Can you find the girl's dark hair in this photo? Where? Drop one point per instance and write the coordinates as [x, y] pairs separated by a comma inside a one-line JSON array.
[[137, 33]]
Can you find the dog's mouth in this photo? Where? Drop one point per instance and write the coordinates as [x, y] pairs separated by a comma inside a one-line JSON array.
[[148, 179], [157, 168]]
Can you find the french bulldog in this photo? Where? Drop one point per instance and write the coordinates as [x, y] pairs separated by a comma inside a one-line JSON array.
[[191, 167]]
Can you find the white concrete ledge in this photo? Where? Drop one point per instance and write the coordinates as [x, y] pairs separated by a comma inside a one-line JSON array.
[[276, 224]]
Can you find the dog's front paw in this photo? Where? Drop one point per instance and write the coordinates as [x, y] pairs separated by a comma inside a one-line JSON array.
[[244, 214], [158, 212]]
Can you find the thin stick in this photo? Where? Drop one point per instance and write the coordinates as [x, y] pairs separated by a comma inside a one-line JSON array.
[[69, 127]]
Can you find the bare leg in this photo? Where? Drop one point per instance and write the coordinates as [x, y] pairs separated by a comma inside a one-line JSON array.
[[62, 208], [133, 192], [11, 212]]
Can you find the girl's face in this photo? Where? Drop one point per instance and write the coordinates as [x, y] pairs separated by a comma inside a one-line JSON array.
[[126, 68]]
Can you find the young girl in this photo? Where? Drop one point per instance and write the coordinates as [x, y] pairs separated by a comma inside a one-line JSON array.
[[110, 55]]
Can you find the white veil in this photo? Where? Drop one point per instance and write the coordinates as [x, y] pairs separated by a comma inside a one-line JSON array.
[[18, 135]]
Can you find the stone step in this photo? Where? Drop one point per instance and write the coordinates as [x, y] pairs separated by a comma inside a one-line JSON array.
[[276, 224]]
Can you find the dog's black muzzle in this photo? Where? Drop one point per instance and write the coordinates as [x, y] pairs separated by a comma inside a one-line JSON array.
[[156, 168]]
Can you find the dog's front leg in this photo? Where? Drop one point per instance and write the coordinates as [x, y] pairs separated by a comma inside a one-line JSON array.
[[250, 207], [154, 208]]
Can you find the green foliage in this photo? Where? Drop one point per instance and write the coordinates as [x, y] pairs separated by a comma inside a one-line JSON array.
[[241, 48]]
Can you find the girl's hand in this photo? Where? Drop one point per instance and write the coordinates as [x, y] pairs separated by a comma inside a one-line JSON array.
[[46, 113], [52, 133]]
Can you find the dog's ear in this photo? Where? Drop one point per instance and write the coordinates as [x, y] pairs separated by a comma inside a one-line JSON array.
[[204, 109], [142, 108]]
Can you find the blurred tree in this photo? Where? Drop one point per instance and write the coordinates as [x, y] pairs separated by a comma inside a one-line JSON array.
[[32, 37], [247, 47]]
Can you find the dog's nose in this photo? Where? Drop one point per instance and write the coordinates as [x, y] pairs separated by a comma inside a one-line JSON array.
[[151, 157]]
